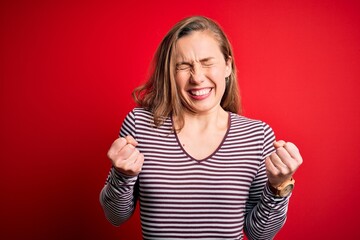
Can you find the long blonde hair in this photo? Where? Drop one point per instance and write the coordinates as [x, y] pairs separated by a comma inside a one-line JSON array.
[[160, 95]]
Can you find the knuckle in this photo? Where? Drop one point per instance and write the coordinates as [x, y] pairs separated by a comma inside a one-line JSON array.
[[129, 139], [292, 147], [292, 169], [300, 160], [136, 151], [109, 155], [286, 171], [273, 155], [138, 169], [275, 172], [127, 167], [280, 171], [120, 142], [118, 164], [141, 161], [130, 146], [280, 150]]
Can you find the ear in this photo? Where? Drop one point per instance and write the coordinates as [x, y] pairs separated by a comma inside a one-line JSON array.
[[228, 68]]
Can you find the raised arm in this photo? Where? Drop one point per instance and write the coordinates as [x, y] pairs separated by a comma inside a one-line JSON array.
[[266, 212], [119, 195]]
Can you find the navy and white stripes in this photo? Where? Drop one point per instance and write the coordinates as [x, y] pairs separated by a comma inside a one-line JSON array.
[[183, 198]]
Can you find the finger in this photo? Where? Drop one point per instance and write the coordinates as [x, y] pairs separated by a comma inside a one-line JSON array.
[[132, 165], [282, 153], [139, 163], [270, 167], [279, 143], [116, 146], [285, 157], [293, 152], [134, 155], [125, 157], [131, 140], [126, 152], [276, 161]]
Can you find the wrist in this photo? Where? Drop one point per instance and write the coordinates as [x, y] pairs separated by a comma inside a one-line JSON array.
[[284, 189]]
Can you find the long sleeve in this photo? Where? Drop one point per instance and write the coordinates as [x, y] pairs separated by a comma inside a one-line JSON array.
[[119, 195], [265, 213]]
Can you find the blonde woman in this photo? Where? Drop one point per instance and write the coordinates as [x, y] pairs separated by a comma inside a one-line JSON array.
[[199, 169]]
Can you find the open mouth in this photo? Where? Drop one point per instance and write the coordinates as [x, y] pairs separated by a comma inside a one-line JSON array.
[[200, 92]]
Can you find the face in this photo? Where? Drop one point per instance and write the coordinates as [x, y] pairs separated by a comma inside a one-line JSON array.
[[201, 71]]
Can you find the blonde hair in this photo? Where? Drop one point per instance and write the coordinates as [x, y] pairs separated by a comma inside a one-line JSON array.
[[160, 95]]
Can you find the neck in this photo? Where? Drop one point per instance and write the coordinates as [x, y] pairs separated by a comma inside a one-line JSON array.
[[201, 121]]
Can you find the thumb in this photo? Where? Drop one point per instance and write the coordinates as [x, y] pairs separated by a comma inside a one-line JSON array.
[[130, 140], [279, 143]]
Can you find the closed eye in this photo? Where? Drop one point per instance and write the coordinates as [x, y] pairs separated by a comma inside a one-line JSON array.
[[207, 62], [183, 66]]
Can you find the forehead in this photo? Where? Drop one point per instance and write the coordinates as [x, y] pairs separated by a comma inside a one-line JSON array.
[[197, 45]]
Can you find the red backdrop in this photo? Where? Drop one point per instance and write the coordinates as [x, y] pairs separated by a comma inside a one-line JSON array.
[[67, 71]]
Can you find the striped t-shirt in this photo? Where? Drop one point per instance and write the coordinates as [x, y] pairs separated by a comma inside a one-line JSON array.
[[219, 197]]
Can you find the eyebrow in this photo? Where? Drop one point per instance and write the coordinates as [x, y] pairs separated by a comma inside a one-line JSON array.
[[201, 60]]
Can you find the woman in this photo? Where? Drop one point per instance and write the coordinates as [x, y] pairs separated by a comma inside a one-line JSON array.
[[199, 170]]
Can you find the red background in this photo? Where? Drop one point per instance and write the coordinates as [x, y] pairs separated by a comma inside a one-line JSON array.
[[67, 70]]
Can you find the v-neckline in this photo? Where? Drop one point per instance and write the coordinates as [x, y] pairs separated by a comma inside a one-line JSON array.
[[214, 152]]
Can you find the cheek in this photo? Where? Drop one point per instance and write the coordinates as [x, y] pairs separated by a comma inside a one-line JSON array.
[[217, 74], [181, 78]]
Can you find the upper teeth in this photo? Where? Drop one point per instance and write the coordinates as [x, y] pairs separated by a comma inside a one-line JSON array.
[[200, 92]]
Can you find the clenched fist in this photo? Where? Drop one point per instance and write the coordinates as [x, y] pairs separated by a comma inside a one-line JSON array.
[[282, 164], [125, 157]]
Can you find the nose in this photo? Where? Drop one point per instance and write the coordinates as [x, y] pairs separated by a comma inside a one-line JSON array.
[[197, 74]]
